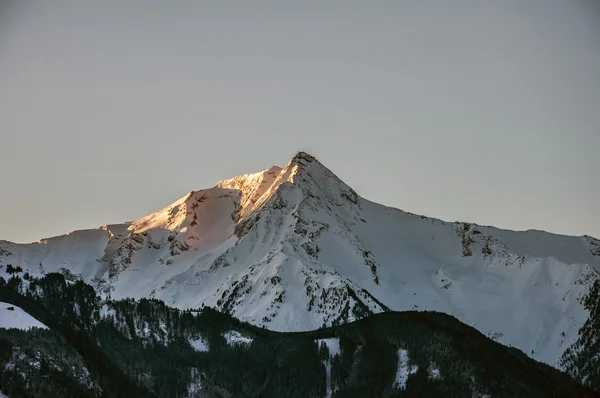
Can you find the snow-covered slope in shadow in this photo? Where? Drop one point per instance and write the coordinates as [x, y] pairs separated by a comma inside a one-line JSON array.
[[12, 316]]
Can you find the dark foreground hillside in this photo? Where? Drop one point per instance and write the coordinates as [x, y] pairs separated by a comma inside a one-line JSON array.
[[144, 348]]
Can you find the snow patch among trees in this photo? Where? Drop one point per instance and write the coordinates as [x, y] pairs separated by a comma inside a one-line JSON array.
[[199, 343], [12, 316], [404, 369], [233, 337], [333, 346], [434, 373]]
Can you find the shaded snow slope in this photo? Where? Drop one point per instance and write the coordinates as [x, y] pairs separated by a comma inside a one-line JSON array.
[[295, 248], [12, 316]]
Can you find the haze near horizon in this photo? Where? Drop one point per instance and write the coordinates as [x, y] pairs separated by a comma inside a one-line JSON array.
[[485, 113]]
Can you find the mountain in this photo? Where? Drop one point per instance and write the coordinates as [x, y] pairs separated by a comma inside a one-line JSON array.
[[82, 345], [295, 249]]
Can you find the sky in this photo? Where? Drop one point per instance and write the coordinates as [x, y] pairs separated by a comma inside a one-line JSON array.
[[485, 112]]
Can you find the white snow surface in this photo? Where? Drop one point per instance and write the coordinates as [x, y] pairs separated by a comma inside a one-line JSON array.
[[199, 344], [282, 248], [404, 369], [17, 318], [234, 337]]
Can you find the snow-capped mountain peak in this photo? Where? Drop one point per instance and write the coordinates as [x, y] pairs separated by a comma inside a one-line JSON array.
[[254, 189], [295, 248], [318, 180]]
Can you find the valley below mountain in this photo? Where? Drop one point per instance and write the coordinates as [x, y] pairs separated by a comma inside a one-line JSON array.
[[67, 341]]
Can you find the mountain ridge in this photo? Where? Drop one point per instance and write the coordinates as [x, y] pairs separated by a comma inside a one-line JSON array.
[[295, 248]]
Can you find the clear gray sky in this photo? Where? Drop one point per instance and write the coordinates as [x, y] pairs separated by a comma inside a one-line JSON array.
[[486, 112]]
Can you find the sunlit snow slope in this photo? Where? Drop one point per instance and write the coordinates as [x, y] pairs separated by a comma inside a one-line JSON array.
[[295, 248]]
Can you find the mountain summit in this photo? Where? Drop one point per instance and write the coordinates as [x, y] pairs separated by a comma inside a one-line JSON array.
[[295, 248]]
